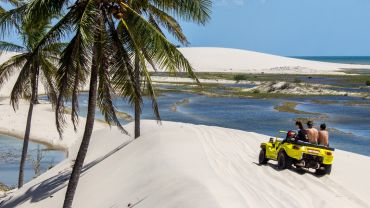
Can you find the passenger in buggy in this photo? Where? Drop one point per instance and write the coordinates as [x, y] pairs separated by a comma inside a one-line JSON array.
[[302, 132], [312, 133], [323, 136]]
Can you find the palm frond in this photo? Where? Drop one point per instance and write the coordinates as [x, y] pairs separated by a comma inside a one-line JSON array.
[[6, 46], [168, 22], [71, 76], [22, 87], [151, 92], [11, 20], [8, 68], [122, 71], [48, 71], [105, 102], [197, 11], [39, 10], [141, 62], [64, 27], [15, 3], [164, 53]]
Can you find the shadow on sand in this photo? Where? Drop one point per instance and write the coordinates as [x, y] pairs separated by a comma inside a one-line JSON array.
[[50, 186], [300, 171]]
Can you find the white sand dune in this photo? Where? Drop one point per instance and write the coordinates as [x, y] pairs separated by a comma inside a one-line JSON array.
[[43, 129], [208, 59], [186, 165]]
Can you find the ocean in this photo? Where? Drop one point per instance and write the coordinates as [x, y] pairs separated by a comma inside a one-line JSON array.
[[338, 59]]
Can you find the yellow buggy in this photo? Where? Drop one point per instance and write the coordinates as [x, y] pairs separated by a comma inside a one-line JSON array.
[[290, 151]]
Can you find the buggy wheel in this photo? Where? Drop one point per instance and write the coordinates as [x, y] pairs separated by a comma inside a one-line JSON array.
[[284, 161], [262, 157], [327, 170]]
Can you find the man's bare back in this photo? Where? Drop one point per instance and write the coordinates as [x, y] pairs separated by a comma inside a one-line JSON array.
[[313, 135], [323, 137]]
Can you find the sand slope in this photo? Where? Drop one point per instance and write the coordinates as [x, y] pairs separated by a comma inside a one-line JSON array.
[[186, 165], [208, 59]]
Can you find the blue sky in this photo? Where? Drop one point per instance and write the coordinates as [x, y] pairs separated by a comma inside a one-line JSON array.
[[287, 27]]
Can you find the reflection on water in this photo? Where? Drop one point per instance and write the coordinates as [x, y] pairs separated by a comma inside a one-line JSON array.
[[10, 154], [258, 115]]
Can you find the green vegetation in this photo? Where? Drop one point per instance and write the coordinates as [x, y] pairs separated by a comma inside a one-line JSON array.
[[4, 187], [289, 107], [240, 77], [297, 80], [340, 80], [179, 103], [124, 116], [367, 82], [364, 103], [320, 117]]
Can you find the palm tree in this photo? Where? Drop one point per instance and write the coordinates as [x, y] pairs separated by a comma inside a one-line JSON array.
[[107, 36], [29, 68], [158, 17]]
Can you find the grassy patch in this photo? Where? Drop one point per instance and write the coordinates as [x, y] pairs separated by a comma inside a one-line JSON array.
[[124, 116], [289, 107], [240, 77], [320, 117], [179, 103], [364, 103], [4, 187], [342, 80]]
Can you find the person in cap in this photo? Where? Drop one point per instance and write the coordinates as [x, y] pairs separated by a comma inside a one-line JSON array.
[[302, 133]]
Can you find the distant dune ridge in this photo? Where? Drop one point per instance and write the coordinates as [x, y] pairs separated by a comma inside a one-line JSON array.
[[210, 59]]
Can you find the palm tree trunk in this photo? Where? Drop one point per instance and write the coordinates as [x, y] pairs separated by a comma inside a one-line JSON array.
[[77, 168], [35, 98], [137, 101], [26, 138], [25, 146]]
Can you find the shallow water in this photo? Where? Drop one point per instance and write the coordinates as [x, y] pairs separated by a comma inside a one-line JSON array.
[[10, 154], [338, 59], [259, 115]]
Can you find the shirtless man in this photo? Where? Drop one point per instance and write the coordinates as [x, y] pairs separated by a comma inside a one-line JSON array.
[[312, 133], [323, 135]]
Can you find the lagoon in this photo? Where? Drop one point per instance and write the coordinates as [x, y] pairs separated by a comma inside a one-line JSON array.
[[349, 124], [10, 154]]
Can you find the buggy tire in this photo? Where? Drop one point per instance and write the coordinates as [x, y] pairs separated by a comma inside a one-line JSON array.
[[284, 161], [327, 170], [262, 160]]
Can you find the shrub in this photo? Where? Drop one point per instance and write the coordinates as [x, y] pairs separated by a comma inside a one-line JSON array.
[[285, 86], [367, 82], [256, 91], [239, 77], [296, 80]]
